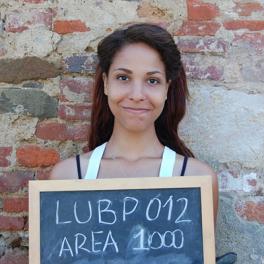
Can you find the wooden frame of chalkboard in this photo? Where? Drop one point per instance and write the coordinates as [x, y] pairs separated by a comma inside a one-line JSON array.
[[143, 188]]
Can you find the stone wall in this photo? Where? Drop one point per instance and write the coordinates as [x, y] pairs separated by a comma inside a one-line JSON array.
[[47, 62]]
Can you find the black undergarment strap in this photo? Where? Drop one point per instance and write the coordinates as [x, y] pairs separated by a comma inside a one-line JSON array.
[[184, 165], [78, 166]]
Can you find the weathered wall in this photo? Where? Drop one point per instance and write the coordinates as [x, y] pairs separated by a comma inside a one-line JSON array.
[[47, 62]]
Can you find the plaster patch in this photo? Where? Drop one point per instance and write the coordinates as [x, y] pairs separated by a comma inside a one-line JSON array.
[[229, 123], [35, 42], [15, 128]]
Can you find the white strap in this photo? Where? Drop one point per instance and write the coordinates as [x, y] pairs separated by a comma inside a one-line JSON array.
[[94, 162], [166, 167], [167, 163]]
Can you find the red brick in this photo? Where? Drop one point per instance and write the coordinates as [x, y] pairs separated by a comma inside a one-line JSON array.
[[43, 174], [15, 204], [5, 153], [251, 210], [252, 25], [14, 181], [77, 89], [52, 131], [255, 40], [203, 45], [69, 26], [198, 28], [34, 156], [150, 11], [196, 69], [75, 112], [11, 223], [246, 9], [14, 257], [20, 20], [200, 11], [58, 131]]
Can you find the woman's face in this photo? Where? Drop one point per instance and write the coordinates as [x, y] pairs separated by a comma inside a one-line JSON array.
[[136, 87]]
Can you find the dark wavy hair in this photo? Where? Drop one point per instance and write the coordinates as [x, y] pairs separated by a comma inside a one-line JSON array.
[[166, 126]]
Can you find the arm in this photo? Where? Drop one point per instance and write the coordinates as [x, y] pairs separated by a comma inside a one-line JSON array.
[[199, 168], [64, 170]]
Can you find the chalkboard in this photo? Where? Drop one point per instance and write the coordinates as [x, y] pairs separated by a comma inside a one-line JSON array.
[[122, 221]]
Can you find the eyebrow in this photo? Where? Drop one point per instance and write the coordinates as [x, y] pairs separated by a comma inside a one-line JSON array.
[[123, 69], [129, 71]]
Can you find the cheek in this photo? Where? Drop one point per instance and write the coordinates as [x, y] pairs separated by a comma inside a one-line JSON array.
[[112, 107], [159, 98], [115, 91], [114, 97]]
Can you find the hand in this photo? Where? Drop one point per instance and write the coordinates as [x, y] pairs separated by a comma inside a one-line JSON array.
[[228, 258]]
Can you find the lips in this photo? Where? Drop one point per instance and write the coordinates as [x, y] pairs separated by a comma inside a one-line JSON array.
[[135, 110]]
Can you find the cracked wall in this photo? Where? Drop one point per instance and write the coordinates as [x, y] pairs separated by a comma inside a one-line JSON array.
[[47, 64]]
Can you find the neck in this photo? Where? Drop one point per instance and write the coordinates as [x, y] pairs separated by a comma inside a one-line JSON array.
[[134, 145]]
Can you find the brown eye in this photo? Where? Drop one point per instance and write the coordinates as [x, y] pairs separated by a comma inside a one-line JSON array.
[[122, 78], [153, 81]]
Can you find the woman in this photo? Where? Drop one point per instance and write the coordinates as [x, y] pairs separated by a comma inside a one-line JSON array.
[[139, 100]]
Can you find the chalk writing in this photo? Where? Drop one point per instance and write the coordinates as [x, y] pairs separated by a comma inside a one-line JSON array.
[[120, 224], [108, 216]]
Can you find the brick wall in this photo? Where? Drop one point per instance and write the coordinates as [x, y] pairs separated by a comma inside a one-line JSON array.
[[47, 62]]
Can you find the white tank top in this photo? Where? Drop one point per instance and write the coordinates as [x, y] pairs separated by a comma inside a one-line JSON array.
[[166, 167]]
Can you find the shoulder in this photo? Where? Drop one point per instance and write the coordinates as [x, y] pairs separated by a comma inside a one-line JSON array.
[[67, 169], [195, 167], [199, 168]]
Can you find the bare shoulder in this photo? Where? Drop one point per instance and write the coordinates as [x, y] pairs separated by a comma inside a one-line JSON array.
[[63, 170], [199, 168], [67, 169], [196, 167]]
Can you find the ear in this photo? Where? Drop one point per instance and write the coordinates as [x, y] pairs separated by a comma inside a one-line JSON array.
[[105, 83]]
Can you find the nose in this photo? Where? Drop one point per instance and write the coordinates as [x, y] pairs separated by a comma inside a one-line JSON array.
[[137, 91]]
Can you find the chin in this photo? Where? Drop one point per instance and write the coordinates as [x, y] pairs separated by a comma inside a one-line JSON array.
[[138, 128]]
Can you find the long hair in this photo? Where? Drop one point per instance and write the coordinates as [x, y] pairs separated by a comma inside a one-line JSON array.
[[166, 126]]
